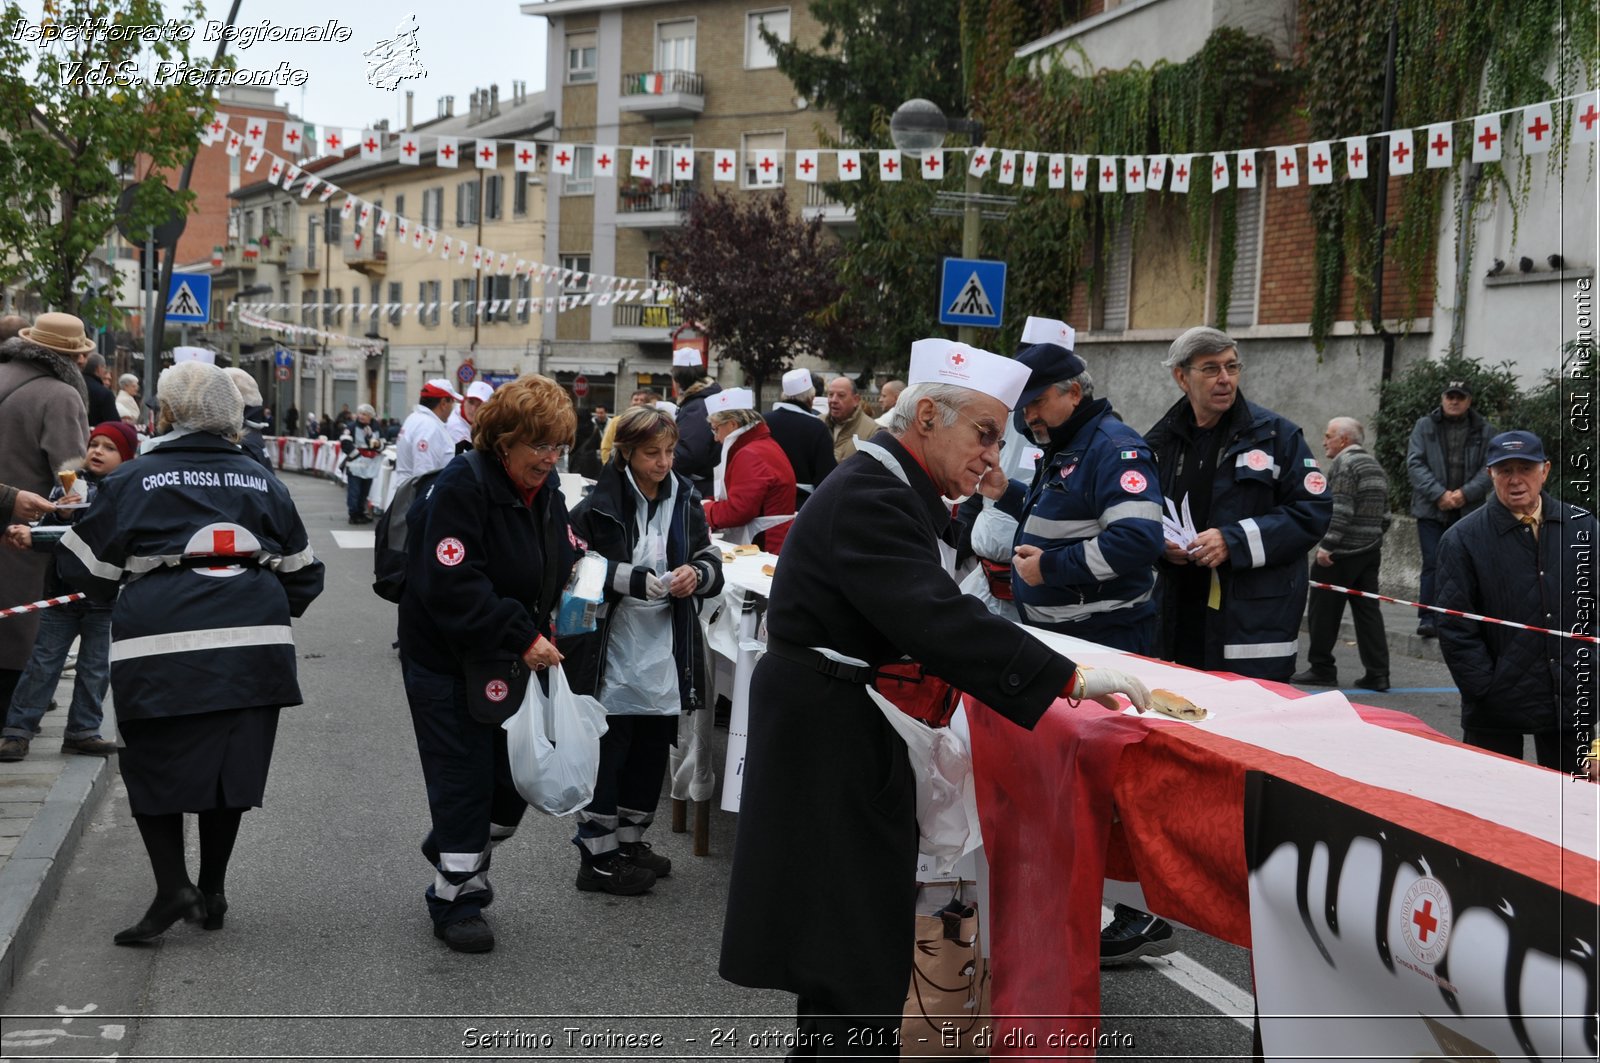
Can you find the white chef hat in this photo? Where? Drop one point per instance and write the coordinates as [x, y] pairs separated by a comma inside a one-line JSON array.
[[942, 361], [797, 382], [667, 407], [731, 399], [193, 354], [687, 356], [1048, 330], [480, 389]]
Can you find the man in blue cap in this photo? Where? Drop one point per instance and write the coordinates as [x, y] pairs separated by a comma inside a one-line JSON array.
[[1528, 558], [1089, 521]]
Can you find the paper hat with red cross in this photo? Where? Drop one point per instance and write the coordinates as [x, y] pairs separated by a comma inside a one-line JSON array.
[[941, 361], [731, 399], [685, 356]]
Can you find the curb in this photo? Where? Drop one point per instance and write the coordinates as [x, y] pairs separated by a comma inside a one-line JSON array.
[[32, 876]]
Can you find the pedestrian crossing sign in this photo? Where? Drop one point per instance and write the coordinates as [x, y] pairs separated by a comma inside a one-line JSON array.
[[973, 292], [189, 298]]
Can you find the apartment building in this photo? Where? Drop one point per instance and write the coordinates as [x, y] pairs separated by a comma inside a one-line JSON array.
[[659, 75], [394, 309]]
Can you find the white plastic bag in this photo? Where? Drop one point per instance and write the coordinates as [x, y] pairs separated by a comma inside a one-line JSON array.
[[947, 807], [553, 742]]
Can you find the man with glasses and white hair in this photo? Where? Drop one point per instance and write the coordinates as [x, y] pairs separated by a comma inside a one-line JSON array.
[[865, 580]]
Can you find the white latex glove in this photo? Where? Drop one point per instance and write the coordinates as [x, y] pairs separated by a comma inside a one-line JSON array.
[[1100, 683], [655, 588]]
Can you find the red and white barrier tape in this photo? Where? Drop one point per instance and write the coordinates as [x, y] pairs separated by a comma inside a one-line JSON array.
[[1453, 612], [34, 607]]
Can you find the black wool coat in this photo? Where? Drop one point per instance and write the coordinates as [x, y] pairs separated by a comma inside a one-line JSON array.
[[821, 901]]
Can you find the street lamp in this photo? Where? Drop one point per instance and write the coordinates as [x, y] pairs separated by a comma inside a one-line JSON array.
[[919, 125]]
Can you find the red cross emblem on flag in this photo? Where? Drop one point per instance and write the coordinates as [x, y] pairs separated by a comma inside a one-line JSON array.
[[805, 166], [1320, 162], [725, 164], [217, 127], [1539, 127], [449, 152], [333, 142], [1356, 156], [684, 164], [450, 552], [292, 136], [371, 145], [1400, 153], [487, 153], [1588, 117], [409, 147], [496, 690], [524, 155], [255, 131], [604, 162], [849, 165]]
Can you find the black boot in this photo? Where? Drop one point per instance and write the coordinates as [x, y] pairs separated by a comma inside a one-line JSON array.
[[216, 908], [186, 903]]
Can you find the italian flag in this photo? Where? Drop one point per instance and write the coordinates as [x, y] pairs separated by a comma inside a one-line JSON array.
[[252, 249], [1130, 455], [652, 83]]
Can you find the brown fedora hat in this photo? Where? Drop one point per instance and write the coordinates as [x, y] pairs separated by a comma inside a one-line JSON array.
[[59, 332]]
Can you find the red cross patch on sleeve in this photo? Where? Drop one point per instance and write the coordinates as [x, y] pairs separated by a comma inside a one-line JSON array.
[[1133, 482], [450, 552], [1316, 483]]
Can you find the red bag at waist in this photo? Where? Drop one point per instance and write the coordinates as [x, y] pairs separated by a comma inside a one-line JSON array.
[[999, 577], [919, 695]]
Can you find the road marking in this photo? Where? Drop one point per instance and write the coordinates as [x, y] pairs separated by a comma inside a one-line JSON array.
[[356, 540], [1402, 690], [1201, 981]]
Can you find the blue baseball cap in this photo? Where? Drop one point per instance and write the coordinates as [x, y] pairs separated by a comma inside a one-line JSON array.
[[1523, 446]]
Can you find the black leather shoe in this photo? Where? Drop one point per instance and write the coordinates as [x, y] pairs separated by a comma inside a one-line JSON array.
[[1379, 683], [639, 854], [1427, 631], [466, 935], [614, 874], [216, 908], [164, 911], [1313, 678]]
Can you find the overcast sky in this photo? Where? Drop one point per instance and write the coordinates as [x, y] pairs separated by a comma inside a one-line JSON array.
[[463, 44]]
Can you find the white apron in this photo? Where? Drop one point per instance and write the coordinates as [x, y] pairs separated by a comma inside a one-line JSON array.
[[641, 675]]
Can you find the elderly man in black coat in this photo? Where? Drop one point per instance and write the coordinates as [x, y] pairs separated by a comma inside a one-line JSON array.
[[866, 580], [798, 430]]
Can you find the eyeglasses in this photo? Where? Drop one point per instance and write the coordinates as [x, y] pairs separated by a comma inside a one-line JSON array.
[[1215, 369], [545, 450], [988, 434]]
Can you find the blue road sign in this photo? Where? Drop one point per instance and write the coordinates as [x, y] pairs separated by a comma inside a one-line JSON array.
[[973, 292], [283, 358], [189, 298]]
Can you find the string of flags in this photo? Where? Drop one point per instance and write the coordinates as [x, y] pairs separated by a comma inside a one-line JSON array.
[[1534, 128], [284, 328]]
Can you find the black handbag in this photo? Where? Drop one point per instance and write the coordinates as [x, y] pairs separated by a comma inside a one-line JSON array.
[[496, 684]]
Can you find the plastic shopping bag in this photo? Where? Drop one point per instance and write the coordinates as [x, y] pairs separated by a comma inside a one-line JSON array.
[[947, 806], [553, 742], [580, 601]]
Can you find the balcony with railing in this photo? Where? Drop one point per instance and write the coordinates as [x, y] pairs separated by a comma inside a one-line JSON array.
[[645, 321], [819, 204], [370, 258], [652, 206], [663, 94], [304, 258]]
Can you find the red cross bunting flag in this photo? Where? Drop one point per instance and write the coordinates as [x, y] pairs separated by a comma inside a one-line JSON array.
[[561, 158], [1319, 163], [725, 165], [888, 165], [641, 165], [1355, 158], [1441, 145], [933, 165], [348, 209], [1285, 167], [255, 134], [805, 166], [333, 141], [328, 189], [605, 161], [410, 150], [683, 164], [1402, 154], [361, 218], [219, 126], [444, 248], [486, 154], [1008, 167], [231, 145], [1080, 172], [501, 268], [848, 164], [309, 187], [477, 257], [1486, 138], [290, 176], [1586, 118], [1155, 172], [371, 146], [446, 151], [382, 227], [461, 252], [769, 167], [416, 236], [253, 159], [1537, 131], [1219, 171], [294, 137], [524, 156], [982, 158], [1030, 168], [1245, 168], [399, 229], [1133, 171], [429, 240], [1058, 171], [275, 171], [1182, 169], [1108, 173]]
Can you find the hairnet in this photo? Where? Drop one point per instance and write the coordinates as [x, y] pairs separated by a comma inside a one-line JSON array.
[[201, 398], [249, 390]]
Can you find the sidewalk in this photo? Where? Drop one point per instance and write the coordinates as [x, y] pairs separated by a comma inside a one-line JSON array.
[[45, 801]]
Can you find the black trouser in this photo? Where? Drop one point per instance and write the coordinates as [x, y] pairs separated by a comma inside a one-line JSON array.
[[1551, 749], [472, 800], [1359, 572], [627, 787], [1429, 532], [825, 1031]]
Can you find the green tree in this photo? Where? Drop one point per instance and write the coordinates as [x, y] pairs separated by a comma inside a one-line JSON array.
[[760, 282], [79, 110]]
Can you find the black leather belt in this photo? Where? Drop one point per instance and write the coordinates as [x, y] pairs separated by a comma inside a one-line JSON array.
[[850, 673]]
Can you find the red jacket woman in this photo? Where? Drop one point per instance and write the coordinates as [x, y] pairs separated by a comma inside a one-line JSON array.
[[754, 484]]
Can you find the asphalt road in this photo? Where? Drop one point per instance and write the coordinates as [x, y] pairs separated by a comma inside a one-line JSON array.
[[328, 951]]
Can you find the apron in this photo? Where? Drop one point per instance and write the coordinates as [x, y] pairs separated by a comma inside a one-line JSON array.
[[641, 674], [742, 534]]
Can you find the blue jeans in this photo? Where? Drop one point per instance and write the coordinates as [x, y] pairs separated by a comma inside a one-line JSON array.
[[57, 628], [355, 495]]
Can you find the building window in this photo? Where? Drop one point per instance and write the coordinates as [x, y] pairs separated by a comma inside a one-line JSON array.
[[577, 264], [497, 299], [581, 57], [757, 56], [763, 177], [332, 224], [377, 300], [522, 191], [396, 295], [428, 303], [313, 238], [464, 300], [332, 306], [308, 306], [493, 187], [580, 182], [675, 45], [467, 202], [433, 207], [524, 298]]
